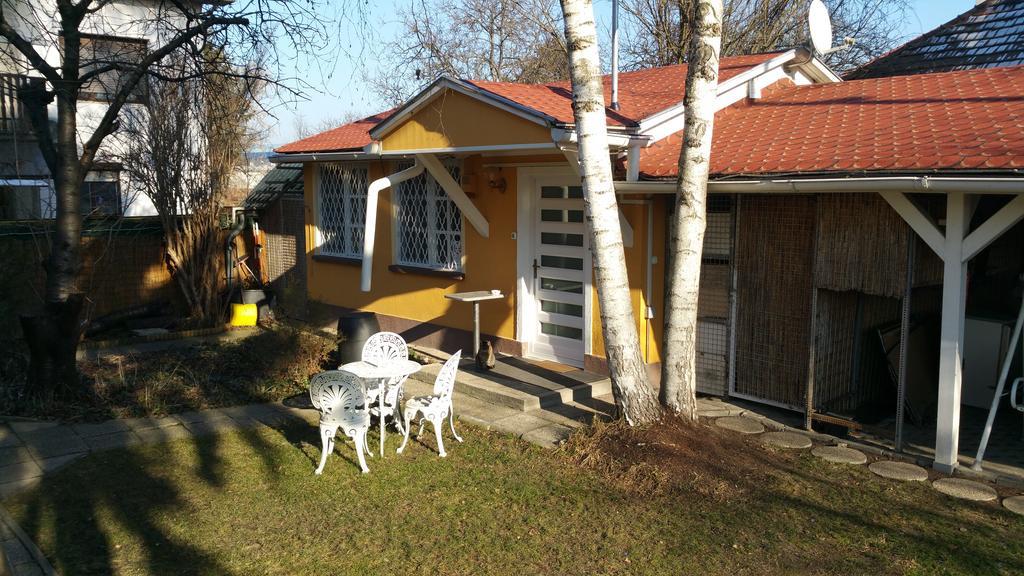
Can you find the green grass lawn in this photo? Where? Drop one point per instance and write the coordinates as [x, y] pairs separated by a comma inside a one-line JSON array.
[[248, 503]]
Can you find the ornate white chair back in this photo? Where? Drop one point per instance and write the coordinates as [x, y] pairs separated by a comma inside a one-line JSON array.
[[445, 382], [383, 347], [339, 397]]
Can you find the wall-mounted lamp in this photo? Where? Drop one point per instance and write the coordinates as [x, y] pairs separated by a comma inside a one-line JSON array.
[[495, 180]]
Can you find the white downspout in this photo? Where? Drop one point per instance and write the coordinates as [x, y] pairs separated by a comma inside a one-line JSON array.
[[371, 216]]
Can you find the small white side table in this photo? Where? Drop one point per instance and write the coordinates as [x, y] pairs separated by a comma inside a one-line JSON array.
[[476, 298]]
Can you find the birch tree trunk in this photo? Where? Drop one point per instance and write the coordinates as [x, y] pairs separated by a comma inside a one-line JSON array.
[[678, 368], [633, 394]]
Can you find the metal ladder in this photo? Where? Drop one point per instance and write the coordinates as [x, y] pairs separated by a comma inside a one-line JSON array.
[[1019, 406]]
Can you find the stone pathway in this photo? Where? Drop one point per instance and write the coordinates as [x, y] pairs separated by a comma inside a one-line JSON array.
[[736, 419]]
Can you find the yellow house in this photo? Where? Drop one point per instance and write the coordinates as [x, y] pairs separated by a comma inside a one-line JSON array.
[[510, 218], [821, 194]]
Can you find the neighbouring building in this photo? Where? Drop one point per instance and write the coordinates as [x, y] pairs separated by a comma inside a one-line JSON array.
[[120, 30]]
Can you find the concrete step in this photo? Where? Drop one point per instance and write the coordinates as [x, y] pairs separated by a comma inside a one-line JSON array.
[[515, 393]]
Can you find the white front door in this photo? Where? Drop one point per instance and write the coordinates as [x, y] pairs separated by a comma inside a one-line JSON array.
[[560, 270]]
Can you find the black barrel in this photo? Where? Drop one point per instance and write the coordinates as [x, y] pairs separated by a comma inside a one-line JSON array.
[[263, 299], [353, 331]]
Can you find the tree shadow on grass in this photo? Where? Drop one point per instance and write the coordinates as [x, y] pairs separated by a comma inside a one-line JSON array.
[[125, 487]]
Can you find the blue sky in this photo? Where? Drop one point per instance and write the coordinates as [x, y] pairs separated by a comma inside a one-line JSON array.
[[338, 87]]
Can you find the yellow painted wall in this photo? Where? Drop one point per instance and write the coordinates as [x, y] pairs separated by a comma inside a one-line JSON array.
[[454, 119], [648, 331], [490, 263]]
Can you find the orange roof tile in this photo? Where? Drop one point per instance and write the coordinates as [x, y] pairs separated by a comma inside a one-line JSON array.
[[352, 136], [641, 94], [966, 120]]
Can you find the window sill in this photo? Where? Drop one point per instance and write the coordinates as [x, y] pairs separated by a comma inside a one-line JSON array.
[[338, 259], [404, 269]]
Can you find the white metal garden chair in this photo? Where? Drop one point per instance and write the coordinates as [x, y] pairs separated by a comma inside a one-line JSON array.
[[435, 407], [385, 400], [341, 401]]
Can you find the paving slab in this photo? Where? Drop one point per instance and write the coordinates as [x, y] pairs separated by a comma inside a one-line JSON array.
[[787, 440], [467, 406], [26, 426], [965, 489], [520, 424], [548, 436], [16, 552], [112, 441], [213, 426], [8, 438], [151, 423], [1014, 504], [100, 429], [740, 424], [16, 486], [903, 471], [840, 455], [20, 470], [53, 464], [154, 435], [30, 569], [53, 442], [13, 455], [201, 416]]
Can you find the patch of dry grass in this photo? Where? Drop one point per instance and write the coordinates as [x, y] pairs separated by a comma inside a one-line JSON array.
[[268, 366]]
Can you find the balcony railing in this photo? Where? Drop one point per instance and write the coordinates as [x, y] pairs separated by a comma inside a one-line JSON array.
[[14, 117]]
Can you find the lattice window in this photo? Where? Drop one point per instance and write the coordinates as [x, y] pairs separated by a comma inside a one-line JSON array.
[[428, 223], [341, 210]]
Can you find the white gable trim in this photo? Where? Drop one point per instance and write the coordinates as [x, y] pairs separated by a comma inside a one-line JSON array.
[[444, 83], [747, 84]]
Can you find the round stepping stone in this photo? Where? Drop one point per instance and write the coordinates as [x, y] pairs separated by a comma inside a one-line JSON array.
[[740, 424], [965, 489], [1014, 504], [790, 440], [899, 471], [713, 412], [840, 455]]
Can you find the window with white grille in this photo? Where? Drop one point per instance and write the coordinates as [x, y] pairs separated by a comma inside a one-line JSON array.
[[341, 210], [428, 224]]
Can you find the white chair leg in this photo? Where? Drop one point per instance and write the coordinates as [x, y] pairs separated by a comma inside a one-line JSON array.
[[366, 445], [420, 433], [327, 443], [360, 441], [407, 426], [382, 432], [451, 422], [438, 423]]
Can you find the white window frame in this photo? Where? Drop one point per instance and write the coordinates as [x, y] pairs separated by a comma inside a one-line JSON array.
[[350, 218], [435, 193]]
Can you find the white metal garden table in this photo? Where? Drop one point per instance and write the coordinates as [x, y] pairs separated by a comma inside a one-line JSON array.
[[375, 376]]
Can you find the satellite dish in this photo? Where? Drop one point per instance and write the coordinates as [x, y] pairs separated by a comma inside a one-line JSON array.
[[820, 26]]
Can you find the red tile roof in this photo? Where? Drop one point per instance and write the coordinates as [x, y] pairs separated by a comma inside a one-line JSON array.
[[967, 120], [352, 136], [641, 93]]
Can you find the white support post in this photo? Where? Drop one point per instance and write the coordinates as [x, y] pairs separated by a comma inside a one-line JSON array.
[[954, 293], [455, 192]]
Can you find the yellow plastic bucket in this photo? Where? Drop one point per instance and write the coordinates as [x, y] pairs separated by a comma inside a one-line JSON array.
[[243, 315]]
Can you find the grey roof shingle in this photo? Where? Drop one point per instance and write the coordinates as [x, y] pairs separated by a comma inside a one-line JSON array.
[[989, 35]]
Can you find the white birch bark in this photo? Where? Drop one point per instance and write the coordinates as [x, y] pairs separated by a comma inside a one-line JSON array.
[[633, 394], [678, 369]]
